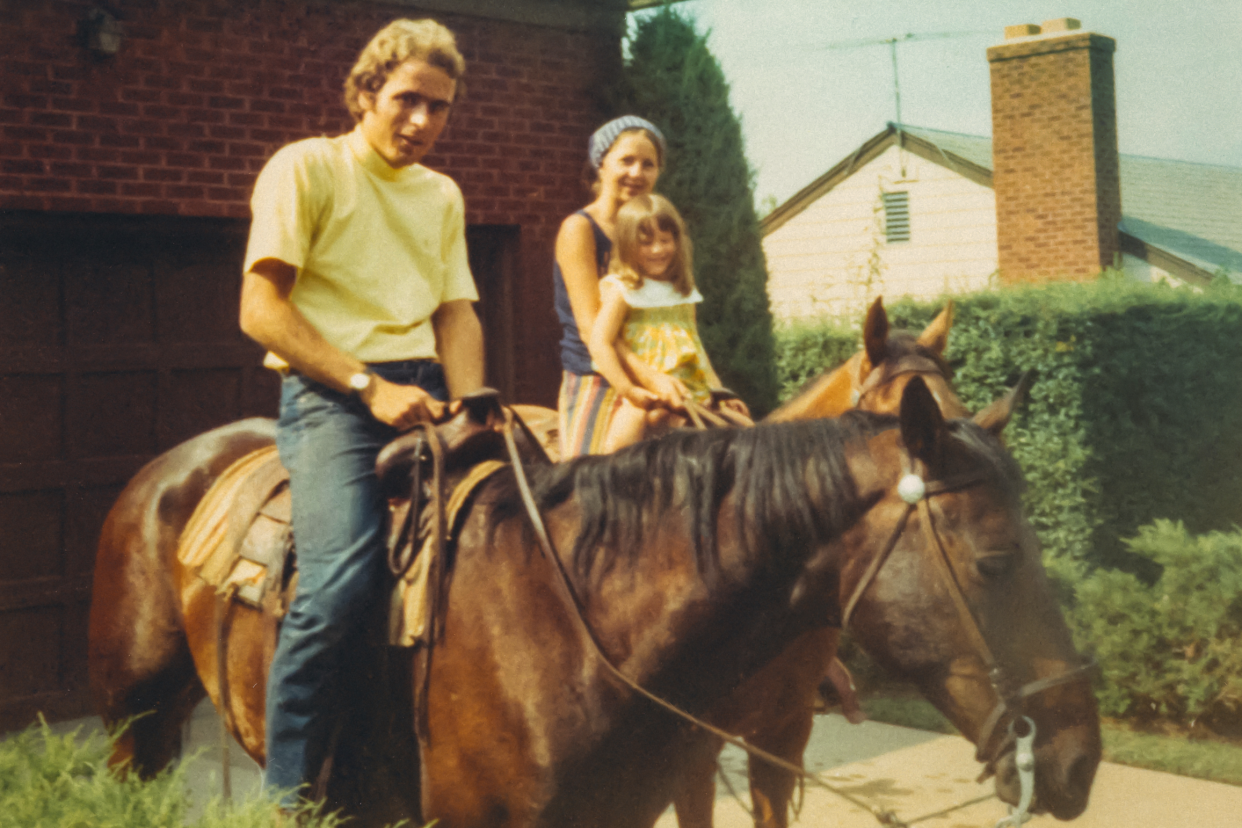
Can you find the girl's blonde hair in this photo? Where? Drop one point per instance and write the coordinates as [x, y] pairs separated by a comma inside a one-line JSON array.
[[638, 220]]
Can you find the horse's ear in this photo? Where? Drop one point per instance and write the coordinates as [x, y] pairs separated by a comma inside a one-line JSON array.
[[922, 424], [996, 416], [875, 332], [935, 337]]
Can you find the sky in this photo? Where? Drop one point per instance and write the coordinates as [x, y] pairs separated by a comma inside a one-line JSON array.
[[809, 88]]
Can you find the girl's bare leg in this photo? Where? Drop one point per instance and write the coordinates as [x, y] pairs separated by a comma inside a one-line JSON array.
[[628, 425]]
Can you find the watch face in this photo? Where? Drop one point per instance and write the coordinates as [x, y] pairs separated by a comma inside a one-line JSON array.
[[359, 382]]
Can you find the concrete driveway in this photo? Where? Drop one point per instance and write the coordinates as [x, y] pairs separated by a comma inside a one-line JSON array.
[[925, 778], [929, 780]]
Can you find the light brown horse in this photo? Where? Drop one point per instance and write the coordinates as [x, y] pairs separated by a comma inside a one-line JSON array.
[[691, 558], [775, 709]]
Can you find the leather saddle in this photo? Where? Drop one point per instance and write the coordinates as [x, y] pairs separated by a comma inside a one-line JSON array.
[[240, 538]]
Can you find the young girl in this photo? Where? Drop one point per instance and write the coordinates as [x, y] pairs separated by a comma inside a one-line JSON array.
[[647, 303]]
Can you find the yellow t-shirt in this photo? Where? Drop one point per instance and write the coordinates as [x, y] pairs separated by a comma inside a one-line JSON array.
[[377, 249]]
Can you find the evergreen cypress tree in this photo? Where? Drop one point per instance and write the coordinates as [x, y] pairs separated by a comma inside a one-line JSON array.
[[673, 80]]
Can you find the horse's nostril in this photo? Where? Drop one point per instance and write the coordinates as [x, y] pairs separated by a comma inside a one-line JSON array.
[[1080, 774], [1074, 788]]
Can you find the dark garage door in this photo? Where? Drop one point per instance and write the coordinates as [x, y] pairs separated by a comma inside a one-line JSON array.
[[118, 339]]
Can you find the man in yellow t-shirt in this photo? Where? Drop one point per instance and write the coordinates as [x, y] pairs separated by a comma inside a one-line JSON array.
[[357, 283]]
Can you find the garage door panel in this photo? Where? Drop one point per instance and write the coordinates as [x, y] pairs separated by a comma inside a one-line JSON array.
[[197, 302], [118, 338], [30, 650], [30, 313], [111, 413], [32, 525], [200, 400], [30, 418], [85, 510], [109, 304]]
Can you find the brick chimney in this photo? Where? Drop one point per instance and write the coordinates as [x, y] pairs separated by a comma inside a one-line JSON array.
[[1054, 152]]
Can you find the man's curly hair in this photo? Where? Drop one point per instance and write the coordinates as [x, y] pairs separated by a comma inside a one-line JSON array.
[[393, 45]]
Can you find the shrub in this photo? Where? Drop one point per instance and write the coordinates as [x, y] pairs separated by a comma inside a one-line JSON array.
[[50, 781], [804, 351], [1135, 413], [1172, 648]]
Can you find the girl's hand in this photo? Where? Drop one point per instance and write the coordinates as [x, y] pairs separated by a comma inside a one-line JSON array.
[[737, 405], [670, 390], [641, 397]]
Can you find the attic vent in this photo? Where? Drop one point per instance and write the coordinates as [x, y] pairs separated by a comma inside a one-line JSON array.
[[896, 216]]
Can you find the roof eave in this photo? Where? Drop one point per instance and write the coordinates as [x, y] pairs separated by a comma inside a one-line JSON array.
[[1166, 261], [867, 152]]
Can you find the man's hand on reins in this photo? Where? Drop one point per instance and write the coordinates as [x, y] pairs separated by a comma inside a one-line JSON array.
[[403, 406]]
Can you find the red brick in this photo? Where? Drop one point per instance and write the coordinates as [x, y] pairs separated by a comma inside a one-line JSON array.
[[118, 172], [22, 166], [162, 174], [47, 185], [89, 186]]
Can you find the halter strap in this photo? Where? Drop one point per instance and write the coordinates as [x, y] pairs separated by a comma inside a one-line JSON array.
[[886, 373], [1009, 699]]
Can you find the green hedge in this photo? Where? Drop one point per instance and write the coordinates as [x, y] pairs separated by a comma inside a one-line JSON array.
[[1135, 415], [1171, 649]]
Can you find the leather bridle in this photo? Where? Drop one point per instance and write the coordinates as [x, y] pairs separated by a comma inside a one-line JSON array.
[[883, 374], [917, 491]]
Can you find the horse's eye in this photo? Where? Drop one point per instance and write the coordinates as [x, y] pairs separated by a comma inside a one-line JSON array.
[[994, 566]]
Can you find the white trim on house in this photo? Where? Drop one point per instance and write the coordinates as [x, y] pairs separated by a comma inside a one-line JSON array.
[[831, 256]]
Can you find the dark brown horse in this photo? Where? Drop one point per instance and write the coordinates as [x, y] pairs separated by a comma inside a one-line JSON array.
[[775, 709], [692, 557]]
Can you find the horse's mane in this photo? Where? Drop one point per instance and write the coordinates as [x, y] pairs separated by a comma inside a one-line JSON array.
[[790, 485]]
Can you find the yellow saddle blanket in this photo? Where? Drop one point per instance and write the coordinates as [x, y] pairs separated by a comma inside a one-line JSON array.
[[239, 537]]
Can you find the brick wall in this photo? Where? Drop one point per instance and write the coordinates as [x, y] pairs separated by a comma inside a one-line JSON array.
[[202, 92], [1054, 152]]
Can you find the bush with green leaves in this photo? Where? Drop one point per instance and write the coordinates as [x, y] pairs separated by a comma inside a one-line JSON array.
[[1173, 648], [51, 781], [672, 79], [1135, 413], [804, 351]]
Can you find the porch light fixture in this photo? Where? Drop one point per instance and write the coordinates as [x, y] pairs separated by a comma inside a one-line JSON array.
[[102, 32]]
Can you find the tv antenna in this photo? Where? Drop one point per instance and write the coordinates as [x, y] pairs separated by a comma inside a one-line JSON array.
[[892, 42]]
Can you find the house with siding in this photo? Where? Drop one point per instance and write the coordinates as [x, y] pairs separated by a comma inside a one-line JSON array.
[[922, 213]]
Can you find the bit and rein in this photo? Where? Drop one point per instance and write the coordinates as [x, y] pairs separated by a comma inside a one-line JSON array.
[[1009, 696], [915, 491]]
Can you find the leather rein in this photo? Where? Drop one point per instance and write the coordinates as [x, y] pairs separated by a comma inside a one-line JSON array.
[[1010, 696], [565, 587], [917, 492]]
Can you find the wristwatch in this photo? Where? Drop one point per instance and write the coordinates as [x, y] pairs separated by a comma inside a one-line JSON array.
[[360, 383]]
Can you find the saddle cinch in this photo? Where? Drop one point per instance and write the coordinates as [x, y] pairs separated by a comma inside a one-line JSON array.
[[240, 539]]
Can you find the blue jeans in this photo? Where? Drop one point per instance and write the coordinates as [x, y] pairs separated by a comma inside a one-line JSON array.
[[328, 441]]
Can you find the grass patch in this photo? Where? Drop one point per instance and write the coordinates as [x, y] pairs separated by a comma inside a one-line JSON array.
[[907, 712], [50, 781], [1213, 760]]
